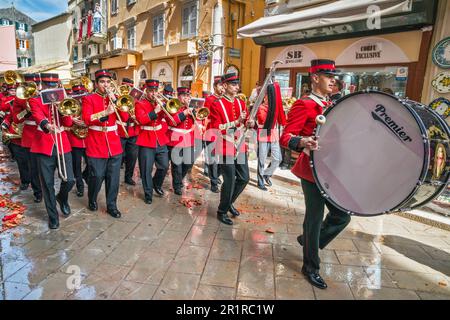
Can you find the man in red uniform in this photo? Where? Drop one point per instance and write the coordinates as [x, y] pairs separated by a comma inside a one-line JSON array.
[[152, 141], [268, 141], [297, 135], [211, 165], [17, 150], [229, 116], [129, 147], [168, 91], [5, 109], [78, 144], [103, 147], [22, 114], [51, 143], [181, 141]]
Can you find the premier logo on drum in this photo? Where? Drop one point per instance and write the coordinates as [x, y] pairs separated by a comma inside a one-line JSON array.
[[381, 115]]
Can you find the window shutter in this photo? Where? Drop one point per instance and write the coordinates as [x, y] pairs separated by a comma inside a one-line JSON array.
[[18, 63], [17, 25], [26, 27], [29, 62], [1, 21], [17, 43]]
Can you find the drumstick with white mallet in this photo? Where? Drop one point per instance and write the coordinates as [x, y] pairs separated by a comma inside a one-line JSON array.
[[320, 120]]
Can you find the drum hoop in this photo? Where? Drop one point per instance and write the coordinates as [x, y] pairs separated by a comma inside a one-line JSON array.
[[424, 164]]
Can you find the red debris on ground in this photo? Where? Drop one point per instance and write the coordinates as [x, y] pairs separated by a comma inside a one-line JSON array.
[[14, 212], [189, 203], [270, 230], [194, 186]]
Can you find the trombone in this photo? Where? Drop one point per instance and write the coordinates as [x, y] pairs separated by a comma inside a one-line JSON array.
[[124, 103], [62, 170]]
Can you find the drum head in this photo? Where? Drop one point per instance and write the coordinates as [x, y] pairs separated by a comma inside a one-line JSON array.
[[372, 153]]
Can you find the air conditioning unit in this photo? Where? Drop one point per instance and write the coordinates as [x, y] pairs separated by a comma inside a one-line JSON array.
[[117, 43], [93, 49]]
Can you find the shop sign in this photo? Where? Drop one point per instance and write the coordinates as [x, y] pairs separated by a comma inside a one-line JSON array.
[[203, 58], [234, 53], [296, 56], [372, 51], [401, 74]]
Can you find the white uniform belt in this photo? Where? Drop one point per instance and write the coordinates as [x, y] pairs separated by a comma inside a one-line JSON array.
[[30, 122], [150, 128], [103, 129], [61, 129], [181, 130]]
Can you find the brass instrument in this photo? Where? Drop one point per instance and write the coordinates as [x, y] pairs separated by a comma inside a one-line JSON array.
[[58, 140], [123, 103], [26, 91], [7, 136], [84, 81], [12, 77], [173, 106], [158, 98], [242, 97], [202, 114], [72, 107]]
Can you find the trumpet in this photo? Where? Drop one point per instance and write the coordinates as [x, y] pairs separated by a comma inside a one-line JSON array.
[[123, 103]]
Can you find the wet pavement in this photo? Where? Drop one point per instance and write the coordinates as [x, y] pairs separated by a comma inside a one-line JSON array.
[[170, 251]]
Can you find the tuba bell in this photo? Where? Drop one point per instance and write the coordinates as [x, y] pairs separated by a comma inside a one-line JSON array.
[[26, 90], [12, 77], [70, 107], [202, 114], [173, 106]]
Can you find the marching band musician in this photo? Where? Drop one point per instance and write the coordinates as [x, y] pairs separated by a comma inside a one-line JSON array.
[[103, 146], [129, 147], [168, 91], [152, 141], [18, 151], [229, 114], [211, 164], [181, 141], [50, 128], [22, 114], [78, 144], [5, 109], [297, 136]]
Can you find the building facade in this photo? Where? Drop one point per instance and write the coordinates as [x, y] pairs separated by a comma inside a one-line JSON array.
[[23, 32]]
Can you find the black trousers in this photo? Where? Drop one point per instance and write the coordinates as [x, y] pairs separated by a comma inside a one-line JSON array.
[[21, 157], [107, 169], [147, 158], [181, 160], [34, 172], [317, 233], [47, 166], [130, 155], [235, 178], [77, 155]]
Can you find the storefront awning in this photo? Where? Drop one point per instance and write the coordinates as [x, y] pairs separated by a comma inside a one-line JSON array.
[[338, 12]]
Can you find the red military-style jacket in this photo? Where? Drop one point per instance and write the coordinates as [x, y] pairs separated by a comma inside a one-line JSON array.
[[301, 122], [5, 105], [75, 142], [20, 114], [261, 117], [225, 113], [8, 121], [182, 134], [103, 140], [132, 127], [209, 134], [153, 126], [44, 141]]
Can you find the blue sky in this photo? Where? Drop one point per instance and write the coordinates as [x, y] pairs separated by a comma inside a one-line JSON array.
[[38, 10]]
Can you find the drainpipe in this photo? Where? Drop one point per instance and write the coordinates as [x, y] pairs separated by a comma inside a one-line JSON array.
[[218, 42]]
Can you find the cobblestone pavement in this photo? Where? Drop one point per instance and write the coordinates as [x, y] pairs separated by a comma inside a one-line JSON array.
[[169, 251]]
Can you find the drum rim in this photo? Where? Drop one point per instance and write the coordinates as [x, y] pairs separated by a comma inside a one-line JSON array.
[[424, 164]]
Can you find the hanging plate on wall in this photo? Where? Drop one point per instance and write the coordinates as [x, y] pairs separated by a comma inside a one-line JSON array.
[[442, 82], [441, 54], [441, 106]]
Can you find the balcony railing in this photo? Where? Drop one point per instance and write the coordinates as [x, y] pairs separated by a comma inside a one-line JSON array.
[[93, 29]]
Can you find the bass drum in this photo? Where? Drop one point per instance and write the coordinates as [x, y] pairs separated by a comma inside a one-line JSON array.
[[379, 154]]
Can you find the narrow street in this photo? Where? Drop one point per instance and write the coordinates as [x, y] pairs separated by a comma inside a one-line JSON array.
[[177, 249]]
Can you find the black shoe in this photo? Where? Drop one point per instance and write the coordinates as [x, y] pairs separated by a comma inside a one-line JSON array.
[[300, 239], [148, 201], [24, 186], [53, 224], [114, 213], [267, 180], [130, 182], [178, 192], [262, 187], [215, 189], [224, 218], [234, 211], [159, 191], [80, 193], [64, 206], [38, 198], [315, 279], [93, 206]]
